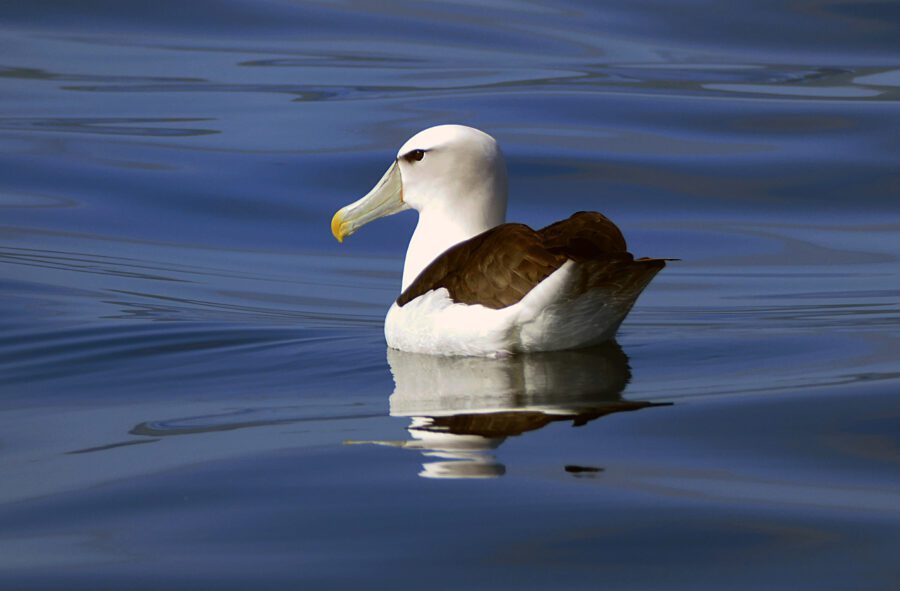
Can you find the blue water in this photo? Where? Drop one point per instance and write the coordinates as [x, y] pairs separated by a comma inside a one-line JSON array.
[[194, 387]]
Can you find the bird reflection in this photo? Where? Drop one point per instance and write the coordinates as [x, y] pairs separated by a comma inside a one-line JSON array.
[[463, 408]]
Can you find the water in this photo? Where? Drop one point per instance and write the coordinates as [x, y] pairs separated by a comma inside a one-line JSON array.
[[195, 388]]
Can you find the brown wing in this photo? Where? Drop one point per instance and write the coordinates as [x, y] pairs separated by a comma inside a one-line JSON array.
[[495, 269], [592, 240], [498, 267], [584, 236]]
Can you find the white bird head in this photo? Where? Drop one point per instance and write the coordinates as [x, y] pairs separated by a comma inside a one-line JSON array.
[[451, 170], [455, 178]]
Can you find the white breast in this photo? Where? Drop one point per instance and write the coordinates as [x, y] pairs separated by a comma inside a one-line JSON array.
[[434, 324]]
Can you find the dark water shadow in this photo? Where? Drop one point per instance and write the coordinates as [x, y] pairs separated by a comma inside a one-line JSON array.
[[463, 408]]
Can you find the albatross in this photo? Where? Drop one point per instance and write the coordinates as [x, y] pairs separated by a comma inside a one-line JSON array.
[[475, 285]]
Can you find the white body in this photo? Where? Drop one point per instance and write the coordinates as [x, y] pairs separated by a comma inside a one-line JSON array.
[[548, 318]]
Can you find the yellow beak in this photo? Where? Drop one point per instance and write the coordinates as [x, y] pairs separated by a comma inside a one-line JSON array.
[[385, 199]]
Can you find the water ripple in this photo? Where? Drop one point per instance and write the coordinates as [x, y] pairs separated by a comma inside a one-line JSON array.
[[708, 80], [238, 419], [136, 126]]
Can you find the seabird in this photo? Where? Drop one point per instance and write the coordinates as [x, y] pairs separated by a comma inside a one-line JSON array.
[[477, 286]]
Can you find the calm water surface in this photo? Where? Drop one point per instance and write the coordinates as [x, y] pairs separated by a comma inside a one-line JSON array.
[[194, 387]]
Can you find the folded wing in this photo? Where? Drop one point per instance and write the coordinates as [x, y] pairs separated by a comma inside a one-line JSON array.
[[499, 267]]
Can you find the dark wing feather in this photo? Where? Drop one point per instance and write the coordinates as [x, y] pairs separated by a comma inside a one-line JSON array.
[[583, 236], [500, 266], [495, 269]]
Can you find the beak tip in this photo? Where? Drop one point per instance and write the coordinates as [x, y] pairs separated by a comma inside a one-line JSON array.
[[336, 223]]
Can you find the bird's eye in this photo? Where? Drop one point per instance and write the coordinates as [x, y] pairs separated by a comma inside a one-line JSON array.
[[414, 156]]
